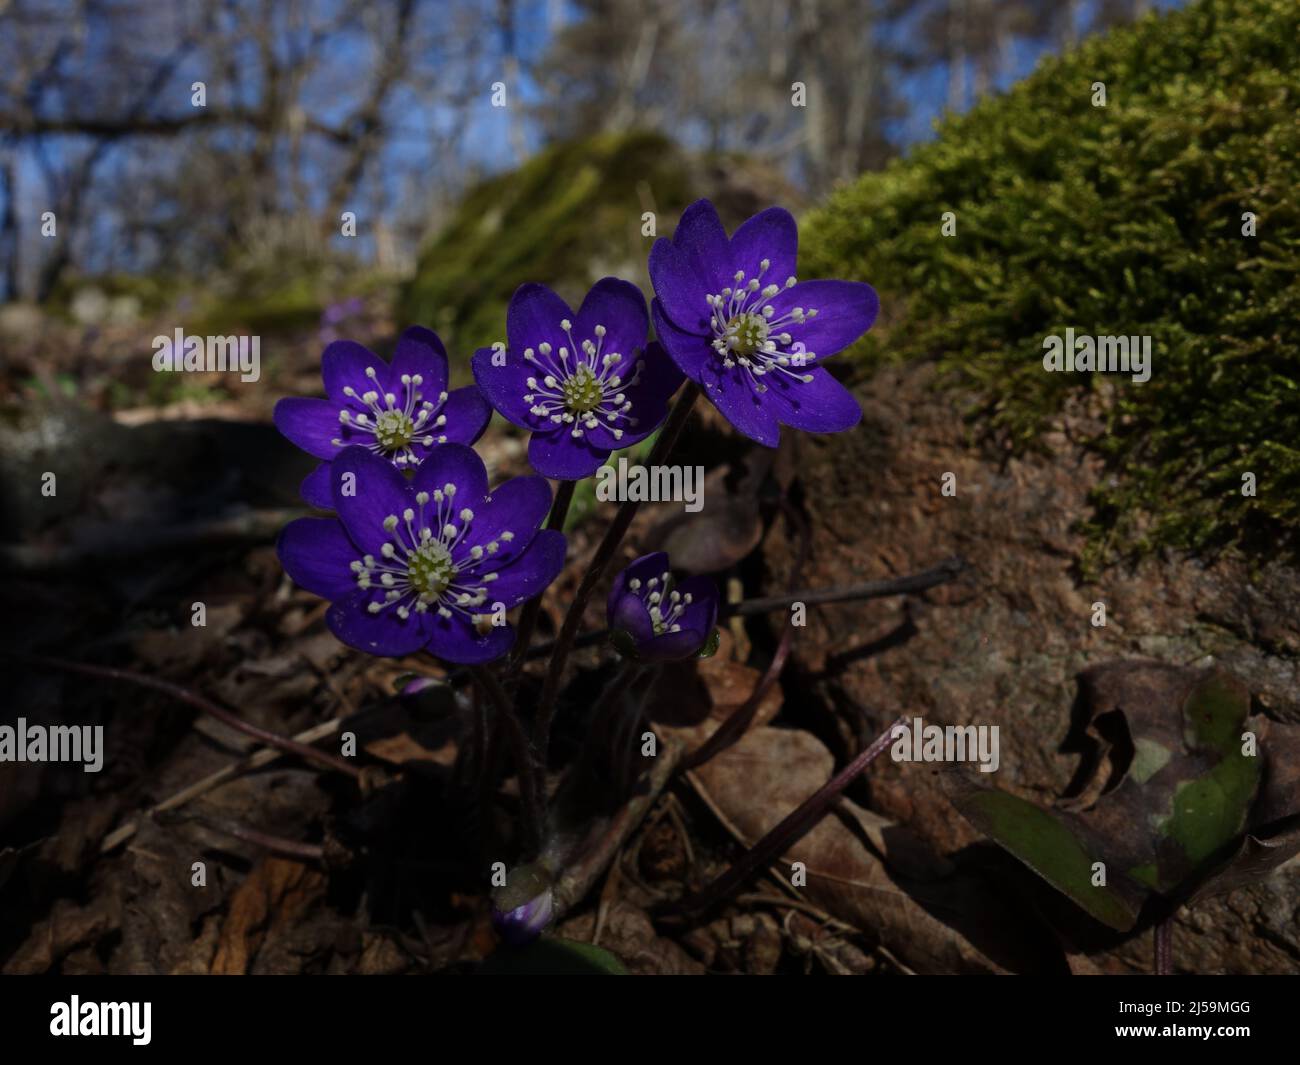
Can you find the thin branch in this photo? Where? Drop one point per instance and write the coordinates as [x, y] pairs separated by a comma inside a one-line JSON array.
[[194, 699], [262, 756], [947, 570], [289, 848], [798, 823]]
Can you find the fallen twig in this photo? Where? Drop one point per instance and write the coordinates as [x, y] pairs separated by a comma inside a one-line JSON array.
[[793, 827], [259, 758], [194, 699]]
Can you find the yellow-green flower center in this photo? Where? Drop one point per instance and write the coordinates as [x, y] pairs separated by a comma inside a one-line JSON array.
[[582, 391], [750, 333], [430, 568], [394, 430]]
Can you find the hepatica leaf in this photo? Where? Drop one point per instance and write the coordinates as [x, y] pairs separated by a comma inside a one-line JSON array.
[[1173, 814], [1213, 783], [553, 956], [1047, 843]]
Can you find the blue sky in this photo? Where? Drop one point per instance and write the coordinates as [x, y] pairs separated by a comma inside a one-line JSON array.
[[487, 145]]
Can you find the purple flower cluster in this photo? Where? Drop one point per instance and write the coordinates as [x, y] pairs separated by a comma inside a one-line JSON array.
[[422, 556]]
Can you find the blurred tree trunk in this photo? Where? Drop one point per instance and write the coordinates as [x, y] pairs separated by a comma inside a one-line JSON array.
[[957, 53]]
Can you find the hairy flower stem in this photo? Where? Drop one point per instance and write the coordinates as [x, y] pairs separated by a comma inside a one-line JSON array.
[[596, 569], [526, 763], [1164, 943], [596, 755], [800, 821], [626, 774], [528, 616]]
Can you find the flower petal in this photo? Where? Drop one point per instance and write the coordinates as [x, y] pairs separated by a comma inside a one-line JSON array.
[[654, 564], [374, 491], [467, 413], [620, 307], [344, 365], [679, 288], [453, 464], [504, 386], [419, 351], [702, 613], [385, 633], [671, 646], [845, 310], [530, 574], [771, 235], [534, 317], [317, 555], [310, 423], [821, 405], [658, 379], [456, 640], [519, 507], [563, 456], [702, 241], [689, 351], [729, 390], [628, 614], [317, 488]]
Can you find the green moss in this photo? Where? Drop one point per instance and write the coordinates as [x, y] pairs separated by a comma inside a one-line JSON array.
[[569, 216], [285, 308], [1117, 220]]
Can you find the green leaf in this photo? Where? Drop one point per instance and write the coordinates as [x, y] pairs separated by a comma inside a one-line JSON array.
[[710, 646], [553, 956], [1043, 842], [1171, 796]]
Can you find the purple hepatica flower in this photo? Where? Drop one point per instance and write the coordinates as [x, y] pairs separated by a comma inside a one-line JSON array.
[[400, 412], [584, 384], [335, 313], [425, 562], [737, 322], [661, 621]]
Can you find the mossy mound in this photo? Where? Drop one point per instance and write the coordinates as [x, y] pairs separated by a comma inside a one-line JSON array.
[[1123, 219], [569, 216]]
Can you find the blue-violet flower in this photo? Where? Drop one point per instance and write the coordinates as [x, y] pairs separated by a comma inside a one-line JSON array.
[[431, 562], [584, 384], [400, 411], [655, 618], [736, 321]]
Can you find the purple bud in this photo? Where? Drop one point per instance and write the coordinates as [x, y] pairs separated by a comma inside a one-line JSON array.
[[409, 684], [524, 907]]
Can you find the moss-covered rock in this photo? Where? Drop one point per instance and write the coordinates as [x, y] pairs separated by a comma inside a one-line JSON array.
[[567, 217], [1123, 219]]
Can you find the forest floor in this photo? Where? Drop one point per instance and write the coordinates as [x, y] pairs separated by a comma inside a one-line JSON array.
[[199, 849]]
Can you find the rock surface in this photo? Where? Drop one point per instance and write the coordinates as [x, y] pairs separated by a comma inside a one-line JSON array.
[[1004, 645]]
